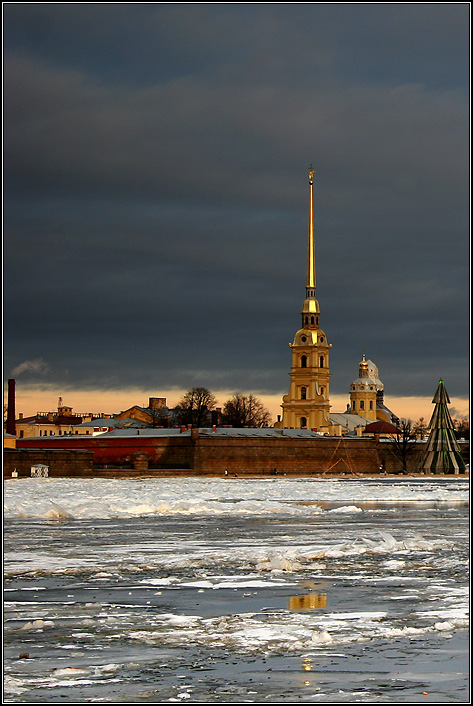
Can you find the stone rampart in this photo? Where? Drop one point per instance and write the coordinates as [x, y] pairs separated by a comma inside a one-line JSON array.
[[60, 462], [204, 453], [296, 456]]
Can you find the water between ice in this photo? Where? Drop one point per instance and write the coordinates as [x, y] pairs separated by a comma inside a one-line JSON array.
[[233, 590]]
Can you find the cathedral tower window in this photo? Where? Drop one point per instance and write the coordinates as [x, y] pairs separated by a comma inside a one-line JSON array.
[[303, 422], [303, 393], [304, 361]]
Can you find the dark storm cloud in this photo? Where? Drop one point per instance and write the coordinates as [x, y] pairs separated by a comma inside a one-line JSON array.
[[156, 199]]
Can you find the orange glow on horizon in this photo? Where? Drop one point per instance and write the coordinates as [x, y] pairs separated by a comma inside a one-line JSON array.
[[30, 401]]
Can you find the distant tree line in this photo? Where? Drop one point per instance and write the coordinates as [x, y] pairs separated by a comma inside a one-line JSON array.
[[245, 411], [198, 408], [462, 428]]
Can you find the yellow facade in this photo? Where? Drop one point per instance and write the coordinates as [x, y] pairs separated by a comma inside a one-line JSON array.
[[9, 441], [363, 393], [307, 405]]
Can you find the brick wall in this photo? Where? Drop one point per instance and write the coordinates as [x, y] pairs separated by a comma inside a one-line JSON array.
[[61, 462], [213, 454], [324, 455]]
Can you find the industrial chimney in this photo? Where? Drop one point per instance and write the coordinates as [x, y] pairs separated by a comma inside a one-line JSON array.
[[11, 426]]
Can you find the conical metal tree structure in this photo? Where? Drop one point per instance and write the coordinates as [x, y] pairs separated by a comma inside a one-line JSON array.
[[443, 453]]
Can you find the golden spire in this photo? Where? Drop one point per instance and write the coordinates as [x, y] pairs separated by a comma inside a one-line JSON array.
[[310, 284]]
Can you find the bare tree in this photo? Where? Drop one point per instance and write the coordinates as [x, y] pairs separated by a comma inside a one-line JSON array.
[[245, 411], [195, 406], [403, 442], [462, 428], [420, 428]]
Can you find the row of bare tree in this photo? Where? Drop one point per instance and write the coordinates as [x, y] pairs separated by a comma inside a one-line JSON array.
[[409, 431], [198, 407]]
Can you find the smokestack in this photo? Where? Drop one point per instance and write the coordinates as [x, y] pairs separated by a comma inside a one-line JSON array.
[[11, 426]]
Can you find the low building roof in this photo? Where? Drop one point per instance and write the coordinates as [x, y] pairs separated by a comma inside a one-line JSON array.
[[380, 427], [261, 431], [101, 422], [135, 430], [227, 432], [58, 419], [348, 421], [34, 419]]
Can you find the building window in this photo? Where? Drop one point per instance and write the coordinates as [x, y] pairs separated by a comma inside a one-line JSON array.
[[312, 320], [306, 319], [304, 361], [303, 422], [322, 390], [371, 404], [353, 405], [303, 393], [362, 404], [321, 361], [321, 339]]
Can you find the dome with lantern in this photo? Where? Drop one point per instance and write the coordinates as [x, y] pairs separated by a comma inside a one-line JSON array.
[[368, 377]]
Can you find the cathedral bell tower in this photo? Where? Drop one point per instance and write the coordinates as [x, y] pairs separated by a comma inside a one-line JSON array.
[[307, 404]]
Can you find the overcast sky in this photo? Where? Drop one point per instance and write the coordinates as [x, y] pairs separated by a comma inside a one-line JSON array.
[[156, 196]]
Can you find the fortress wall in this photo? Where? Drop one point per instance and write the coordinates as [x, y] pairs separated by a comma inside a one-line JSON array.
[[161, 451], [74, 463], [253, 456], [207, 454]]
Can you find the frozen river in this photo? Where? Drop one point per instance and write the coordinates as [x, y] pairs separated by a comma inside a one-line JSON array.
[[237, 591]]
